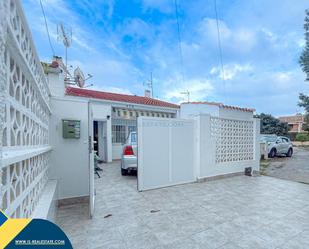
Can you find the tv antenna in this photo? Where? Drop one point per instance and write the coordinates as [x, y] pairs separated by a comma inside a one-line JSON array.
[[78, 79], [149, 84], [188, 95], [65, 35]]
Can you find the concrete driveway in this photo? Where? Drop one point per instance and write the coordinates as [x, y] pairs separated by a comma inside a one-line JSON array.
[[237, 212], [295, 168]]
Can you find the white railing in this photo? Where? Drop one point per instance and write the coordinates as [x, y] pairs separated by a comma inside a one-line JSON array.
[[25, 119]]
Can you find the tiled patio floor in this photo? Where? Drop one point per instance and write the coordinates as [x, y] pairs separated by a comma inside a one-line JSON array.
[[238, 212]]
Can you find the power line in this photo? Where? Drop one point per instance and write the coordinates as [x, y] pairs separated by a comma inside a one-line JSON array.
[[179, 41], [219, 45], [46, 26]]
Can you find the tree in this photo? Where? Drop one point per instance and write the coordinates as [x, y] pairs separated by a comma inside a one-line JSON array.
[[272, 125], [304, 102], [304, 63], [304, 58]]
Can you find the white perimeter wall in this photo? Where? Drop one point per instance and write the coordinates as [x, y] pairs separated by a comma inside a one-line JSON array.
[[188, 111], [69, 156], [206, 147], [165, 152], [235, 114]]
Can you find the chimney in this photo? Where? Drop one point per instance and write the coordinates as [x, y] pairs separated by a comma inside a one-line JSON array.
[[147, 93]]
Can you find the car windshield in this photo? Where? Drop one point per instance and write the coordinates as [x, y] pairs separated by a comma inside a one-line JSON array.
[[269, 138]]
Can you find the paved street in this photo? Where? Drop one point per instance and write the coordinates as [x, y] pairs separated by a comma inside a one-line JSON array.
[[295, 168], [237, 212]]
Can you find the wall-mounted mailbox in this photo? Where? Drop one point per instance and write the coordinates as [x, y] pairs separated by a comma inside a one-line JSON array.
[[71, 128]]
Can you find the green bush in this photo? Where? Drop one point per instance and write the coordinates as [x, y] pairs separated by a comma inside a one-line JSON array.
[[301, 137]]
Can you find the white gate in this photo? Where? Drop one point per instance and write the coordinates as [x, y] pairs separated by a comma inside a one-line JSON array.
[[176, 151], [165, 152]]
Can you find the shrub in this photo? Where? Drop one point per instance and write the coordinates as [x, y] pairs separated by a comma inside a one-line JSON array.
[[301, 137]]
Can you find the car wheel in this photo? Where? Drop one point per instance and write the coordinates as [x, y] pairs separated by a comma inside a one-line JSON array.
[[124, 172], [290, 152], [272, 153]]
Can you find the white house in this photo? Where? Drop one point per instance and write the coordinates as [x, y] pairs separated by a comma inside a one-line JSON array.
[[47, 129], [114, 114]]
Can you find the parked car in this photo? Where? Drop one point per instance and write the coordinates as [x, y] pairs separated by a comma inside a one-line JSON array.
[[277, 145], [129, 154]]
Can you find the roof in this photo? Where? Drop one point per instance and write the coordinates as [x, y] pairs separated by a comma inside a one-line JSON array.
[[80, 92], [221, 105], [293, 119]]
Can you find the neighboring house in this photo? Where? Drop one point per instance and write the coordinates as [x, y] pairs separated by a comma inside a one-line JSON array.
[[295, 123], [119, 110]]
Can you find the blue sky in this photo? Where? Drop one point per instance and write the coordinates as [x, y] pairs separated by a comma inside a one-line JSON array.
[[121, 42]]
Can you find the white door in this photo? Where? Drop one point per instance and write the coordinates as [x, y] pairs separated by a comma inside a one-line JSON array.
[[91, 160], [165, 152]]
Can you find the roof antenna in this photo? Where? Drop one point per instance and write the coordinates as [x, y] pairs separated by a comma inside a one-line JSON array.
[[188, 95], [65, 34]]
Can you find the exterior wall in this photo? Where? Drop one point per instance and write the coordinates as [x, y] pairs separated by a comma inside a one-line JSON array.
[[234, 114], [3, 80], [190, 150], [117, 150], [188, 111], [56, 84], [70, 157], [24, 116], [100, 113], [213, 140]]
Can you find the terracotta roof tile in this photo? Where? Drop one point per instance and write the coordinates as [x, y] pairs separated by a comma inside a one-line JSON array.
[[79, 92]]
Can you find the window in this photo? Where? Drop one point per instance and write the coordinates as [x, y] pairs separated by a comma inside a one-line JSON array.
[[118, 133], [158, 115], [131, 114], [142, 114]]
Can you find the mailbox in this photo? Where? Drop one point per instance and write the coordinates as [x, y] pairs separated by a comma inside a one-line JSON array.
[[71, 129]]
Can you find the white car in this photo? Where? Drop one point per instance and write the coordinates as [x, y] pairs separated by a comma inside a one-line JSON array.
[[278, 145], [129, 154]]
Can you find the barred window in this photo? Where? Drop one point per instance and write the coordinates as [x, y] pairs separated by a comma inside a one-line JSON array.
[[119, 133]]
